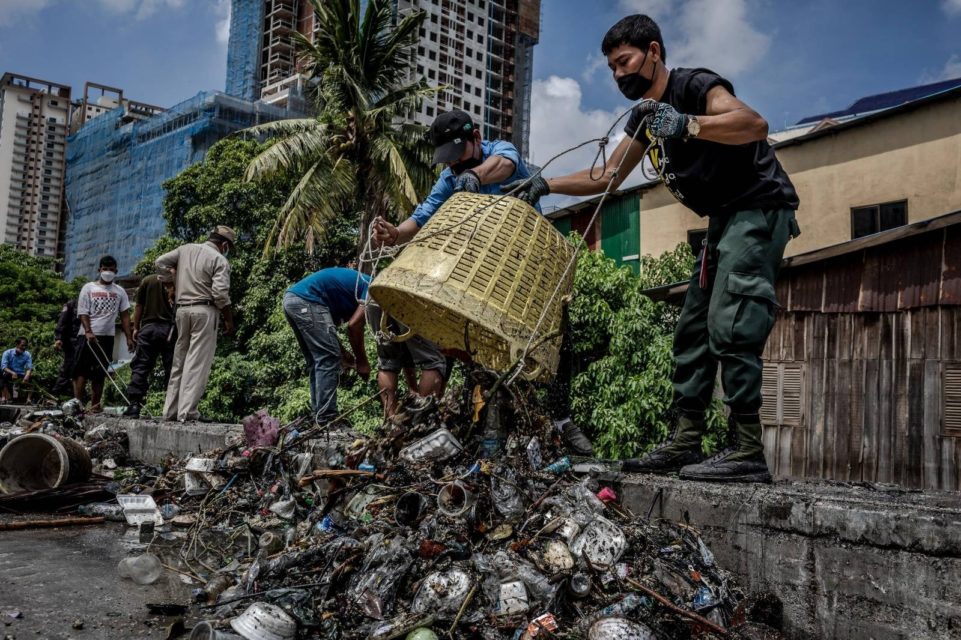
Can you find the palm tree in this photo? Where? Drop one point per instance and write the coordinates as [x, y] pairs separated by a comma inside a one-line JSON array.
[[356, 158]]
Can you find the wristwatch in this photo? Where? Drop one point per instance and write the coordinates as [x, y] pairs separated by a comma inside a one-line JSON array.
[[693, 127]]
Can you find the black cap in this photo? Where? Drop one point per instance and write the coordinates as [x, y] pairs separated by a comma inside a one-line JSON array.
[[449, 134]]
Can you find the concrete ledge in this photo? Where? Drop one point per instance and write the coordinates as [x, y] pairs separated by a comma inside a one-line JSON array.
[[153, 440], [847, 561]]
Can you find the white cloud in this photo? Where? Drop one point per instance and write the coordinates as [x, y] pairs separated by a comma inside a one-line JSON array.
[[559, 121], [142, 9], [595, 62], [952, 68], [951, 7], [223, 21], [707, 33], [13, 10]]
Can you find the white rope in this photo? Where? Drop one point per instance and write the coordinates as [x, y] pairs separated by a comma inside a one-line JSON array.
[[519, 367]]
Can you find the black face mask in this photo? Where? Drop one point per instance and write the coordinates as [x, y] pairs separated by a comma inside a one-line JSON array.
[[634, 85], [460, 167]]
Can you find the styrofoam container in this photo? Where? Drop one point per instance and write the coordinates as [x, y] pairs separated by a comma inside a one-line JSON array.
[[139, 508]]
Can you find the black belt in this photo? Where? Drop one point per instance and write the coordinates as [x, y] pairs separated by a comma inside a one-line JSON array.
[[202, 303]]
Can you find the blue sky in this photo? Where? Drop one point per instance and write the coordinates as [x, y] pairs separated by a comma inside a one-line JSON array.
[[788, 59]]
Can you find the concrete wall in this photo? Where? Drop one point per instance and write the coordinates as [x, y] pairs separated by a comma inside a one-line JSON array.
[[913, 156], [855, 562]]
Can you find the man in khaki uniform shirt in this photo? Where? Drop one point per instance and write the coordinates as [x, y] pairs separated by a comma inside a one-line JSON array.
[[203, 292]]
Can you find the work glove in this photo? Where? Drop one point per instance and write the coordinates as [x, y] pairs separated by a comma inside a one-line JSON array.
[[535, 189], [467, 181], [663, 120]]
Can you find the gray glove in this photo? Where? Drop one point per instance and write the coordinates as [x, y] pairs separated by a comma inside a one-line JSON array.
[[664, 120], [467, 181], [535, 189]]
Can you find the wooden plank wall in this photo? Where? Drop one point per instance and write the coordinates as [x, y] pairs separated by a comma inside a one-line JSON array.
[[871, 397]]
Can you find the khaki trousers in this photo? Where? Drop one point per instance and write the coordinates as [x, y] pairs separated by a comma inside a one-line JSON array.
[[193, 357]]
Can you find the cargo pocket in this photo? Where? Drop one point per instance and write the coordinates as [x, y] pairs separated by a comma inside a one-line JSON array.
[[749, 310]]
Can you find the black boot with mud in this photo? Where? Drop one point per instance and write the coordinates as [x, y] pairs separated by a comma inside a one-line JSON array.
[[741, 462], [682, 448]]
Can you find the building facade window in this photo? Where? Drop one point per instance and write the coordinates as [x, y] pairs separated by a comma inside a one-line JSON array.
[[876, 218]]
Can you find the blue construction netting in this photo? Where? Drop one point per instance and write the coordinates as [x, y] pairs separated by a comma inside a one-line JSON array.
[[243, 48], [116, 171]]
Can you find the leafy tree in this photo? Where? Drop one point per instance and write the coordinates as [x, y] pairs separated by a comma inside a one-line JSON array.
[[356, 159], [33, 294], [260, 365], [622, 342]]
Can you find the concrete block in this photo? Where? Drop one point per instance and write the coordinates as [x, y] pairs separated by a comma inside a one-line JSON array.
[[860, 562], [153, 440]]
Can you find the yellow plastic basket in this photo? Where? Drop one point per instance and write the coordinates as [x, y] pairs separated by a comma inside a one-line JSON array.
[[477, 278]]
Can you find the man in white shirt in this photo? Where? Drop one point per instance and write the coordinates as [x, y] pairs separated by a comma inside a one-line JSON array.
[[98, 305]]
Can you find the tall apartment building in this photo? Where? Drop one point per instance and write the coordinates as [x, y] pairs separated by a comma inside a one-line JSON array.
[[33, 128], [482, 49]]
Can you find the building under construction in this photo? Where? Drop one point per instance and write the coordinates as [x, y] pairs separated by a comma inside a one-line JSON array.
[[483, 50], [117, 164]]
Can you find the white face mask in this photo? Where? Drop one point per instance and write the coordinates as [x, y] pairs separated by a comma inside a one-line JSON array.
[[107, 276]]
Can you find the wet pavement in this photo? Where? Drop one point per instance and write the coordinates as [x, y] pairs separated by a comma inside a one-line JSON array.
[[59, 577]]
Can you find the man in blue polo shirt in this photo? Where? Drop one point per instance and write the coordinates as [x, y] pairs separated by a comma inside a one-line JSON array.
[[17, 367], [476, 165], [314, 307]]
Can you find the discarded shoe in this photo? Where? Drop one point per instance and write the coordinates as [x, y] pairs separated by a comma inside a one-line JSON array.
[[133, 411], [573, 438], [682, 448]]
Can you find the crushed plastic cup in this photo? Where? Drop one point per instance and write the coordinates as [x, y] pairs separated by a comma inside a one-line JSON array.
[[436, 447], [601, 542], [142, 569], [442, 593], [557, 557], [619, 629], [512, 598], [264, 621]]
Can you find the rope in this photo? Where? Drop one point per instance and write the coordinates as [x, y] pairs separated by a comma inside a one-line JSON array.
[[519, 367], [372, 255], [110, 378]]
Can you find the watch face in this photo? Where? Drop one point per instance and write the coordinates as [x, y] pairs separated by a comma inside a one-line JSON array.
[[693, 127]]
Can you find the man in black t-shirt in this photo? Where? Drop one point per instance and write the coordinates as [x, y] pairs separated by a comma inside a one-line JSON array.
[[155, 332], [711, 151]]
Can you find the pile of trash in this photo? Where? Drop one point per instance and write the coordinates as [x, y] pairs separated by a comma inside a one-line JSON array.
[[461, 518]]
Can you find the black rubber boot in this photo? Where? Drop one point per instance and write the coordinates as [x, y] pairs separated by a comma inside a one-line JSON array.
[[133, 411], [682, 448], [574, 439], [742, 462]]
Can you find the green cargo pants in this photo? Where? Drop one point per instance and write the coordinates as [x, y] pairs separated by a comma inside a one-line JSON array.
[[728, 321]]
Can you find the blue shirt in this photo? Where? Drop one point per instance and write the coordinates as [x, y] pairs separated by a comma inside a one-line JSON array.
[[17, 363], [336, 288], [444, 187]]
